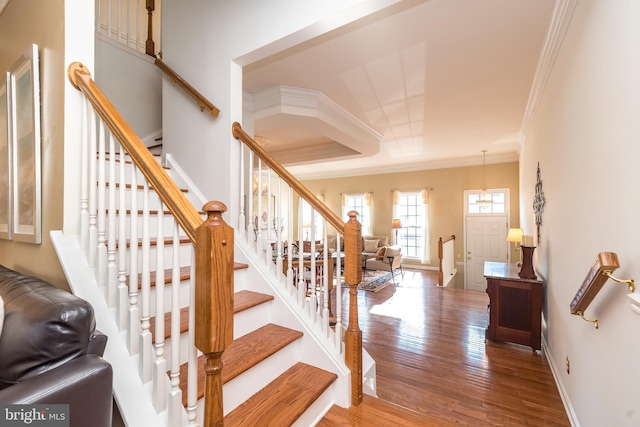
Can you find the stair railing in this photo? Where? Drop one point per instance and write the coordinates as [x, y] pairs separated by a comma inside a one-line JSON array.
[[203, 102], [127, 22], [289, 228], [112, 221]]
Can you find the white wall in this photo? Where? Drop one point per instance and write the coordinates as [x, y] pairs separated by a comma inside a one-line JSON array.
[[205, 41], [586, 138], [133, 84]]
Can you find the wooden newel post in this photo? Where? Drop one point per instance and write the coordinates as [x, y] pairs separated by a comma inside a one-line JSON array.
[[353, 277], [214, 303], [150, 45]]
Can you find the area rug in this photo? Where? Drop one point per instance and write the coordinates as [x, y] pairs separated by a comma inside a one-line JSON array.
[[373, 283]]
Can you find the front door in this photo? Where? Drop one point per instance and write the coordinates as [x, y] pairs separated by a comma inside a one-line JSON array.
[[485, 240]]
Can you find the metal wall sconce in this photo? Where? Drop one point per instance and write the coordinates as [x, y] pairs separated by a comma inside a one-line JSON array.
[[601, 271]]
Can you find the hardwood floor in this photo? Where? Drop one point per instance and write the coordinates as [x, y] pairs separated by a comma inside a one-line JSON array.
[[432, 358]]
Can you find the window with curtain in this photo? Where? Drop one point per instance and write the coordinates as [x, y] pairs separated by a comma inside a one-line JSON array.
[[412, 208], [360, 203]]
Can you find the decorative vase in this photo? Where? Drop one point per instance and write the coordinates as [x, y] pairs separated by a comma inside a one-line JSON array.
[[526, 272]]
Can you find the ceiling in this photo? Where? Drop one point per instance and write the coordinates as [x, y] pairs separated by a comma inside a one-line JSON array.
[[428, 86]]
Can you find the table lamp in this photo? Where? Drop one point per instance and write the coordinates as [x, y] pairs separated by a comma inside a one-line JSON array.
[[515, 235]]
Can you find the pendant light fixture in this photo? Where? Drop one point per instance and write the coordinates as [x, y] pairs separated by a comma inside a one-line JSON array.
[[484, 200]]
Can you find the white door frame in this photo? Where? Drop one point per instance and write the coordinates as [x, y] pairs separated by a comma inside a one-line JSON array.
[[507, 213]]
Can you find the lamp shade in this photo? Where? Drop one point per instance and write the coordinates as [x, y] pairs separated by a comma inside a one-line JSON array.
[[515, 235], [395, 223]]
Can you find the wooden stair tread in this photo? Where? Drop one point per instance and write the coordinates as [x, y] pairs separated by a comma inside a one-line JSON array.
[[242, 300], [282, 401], [154, 241], [244, 353]]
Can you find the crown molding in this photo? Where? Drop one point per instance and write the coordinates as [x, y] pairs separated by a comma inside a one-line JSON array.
[[560, 19], [350, 171], [3, 3], [334, 121]]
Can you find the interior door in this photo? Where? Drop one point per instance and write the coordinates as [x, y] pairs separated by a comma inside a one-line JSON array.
[[485, 240]]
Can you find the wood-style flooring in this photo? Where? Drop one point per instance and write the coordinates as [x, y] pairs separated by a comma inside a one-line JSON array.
[[432, 358]]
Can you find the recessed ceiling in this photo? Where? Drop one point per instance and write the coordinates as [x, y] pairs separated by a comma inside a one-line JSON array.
[[435, 83]]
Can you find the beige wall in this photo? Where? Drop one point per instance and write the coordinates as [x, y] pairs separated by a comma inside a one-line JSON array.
[[446, 209], [41, 22]]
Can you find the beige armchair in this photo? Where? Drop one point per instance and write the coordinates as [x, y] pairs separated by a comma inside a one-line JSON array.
[[390, 260]]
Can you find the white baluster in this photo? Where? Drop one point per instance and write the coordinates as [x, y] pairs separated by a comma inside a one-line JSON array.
[[175, 394], [85, 158], [101, 273], [160, 363], [123, 291], [109, 20], [118, 30], [325, 282], [146, 345], [93, 184], [112, 268], [338, 307], [251, 229], [134, 312], [192, 367], [242, 219], [302, 286]]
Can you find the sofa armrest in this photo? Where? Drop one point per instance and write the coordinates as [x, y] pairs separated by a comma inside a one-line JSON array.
[[97, 343], [84, 383]]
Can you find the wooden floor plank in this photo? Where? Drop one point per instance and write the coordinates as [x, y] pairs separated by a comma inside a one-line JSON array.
[[431, 357]]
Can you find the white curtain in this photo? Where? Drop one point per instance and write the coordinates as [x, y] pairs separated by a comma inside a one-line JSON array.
[[426, 256], [395, 212], [366, 215]]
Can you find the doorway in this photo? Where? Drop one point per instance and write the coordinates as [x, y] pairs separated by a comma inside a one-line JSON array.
[[485, 235], [486, 240]]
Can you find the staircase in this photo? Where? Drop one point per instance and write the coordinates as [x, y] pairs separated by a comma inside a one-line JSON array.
[[283, 360], [265, 380]]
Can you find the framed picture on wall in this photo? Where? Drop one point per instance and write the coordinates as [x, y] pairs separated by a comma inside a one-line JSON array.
[[5, 161], [24, 84]]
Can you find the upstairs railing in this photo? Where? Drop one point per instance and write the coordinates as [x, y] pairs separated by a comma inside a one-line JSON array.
[[297, 235], [133, 23], [115, 217], [447, 268]]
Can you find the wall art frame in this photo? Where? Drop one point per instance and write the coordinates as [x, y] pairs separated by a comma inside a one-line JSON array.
[[24, 90]]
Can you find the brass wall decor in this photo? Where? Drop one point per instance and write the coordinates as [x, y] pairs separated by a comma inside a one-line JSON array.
[[538, 203]]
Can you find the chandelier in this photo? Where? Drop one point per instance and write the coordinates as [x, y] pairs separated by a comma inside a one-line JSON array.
[[484, 200]]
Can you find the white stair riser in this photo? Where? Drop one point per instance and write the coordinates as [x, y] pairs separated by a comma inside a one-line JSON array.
[[185, 257], [183, 302], [167, 225], [245, 321]]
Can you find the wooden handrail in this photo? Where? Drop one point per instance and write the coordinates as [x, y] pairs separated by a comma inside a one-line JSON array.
[[440, 256], [317, 205], [170, 194], [203, 102]]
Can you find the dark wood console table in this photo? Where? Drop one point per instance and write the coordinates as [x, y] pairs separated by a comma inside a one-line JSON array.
[[515, 310]]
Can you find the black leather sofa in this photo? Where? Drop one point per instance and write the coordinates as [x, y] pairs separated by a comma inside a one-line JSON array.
[[50, 352]]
